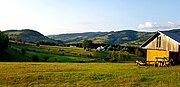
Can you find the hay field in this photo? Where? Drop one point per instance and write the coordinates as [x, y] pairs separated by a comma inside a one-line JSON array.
[[23, 74]]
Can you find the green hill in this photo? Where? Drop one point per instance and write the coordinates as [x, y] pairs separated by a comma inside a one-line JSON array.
[[129, 37], [28, 35], [79, 37], [11, 55], [119, 37]]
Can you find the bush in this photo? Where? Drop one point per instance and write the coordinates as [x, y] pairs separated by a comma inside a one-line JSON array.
[[87, 44], [46, 59], [23, 51], [110, 48], [3, 41], [117, 57], [37, 44], [112, 57], [55, 60], [138, 52], [47, 43], [35, 58]]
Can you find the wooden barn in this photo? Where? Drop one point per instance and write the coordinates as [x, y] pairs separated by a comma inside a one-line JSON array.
[[163, 45]]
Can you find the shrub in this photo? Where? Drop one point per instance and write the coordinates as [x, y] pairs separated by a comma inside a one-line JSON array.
[[46, 59], [87, 44], [3, 41], [37, 44], [23, 51], [55, 59], [112, 57], [117, 57], [110, 48], [35, 58], [138, 52], [47, 43]]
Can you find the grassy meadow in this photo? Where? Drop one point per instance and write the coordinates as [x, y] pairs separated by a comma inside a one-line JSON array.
[[23, 74], [60, 66], [62, 54], [54, 53]]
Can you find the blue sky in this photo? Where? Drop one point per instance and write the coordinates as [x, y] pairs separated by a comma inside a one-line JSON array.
[[72, 16]]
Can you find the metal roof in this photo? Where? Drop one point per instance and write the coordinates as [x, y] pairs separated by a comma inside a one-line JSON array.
[[172, 35]]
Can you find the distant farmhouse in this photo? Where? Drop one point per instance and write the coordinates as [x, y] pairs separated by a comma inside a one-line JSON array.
[[163, 45]]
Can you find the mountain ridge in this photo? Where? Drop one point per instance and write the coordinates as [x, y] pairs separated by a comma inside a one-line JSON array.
[[127, 37], [28, 35], [113, 37], [130, 37]]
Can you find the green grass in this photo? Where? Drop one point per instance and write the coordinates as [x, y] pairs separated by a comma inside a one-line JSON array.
[[87, 74], [65, 54], [52, 52], [13, 56], [57, 58]]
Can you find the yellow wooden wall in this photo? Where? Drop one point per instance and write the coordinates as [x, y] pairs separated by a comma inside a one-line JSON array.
[[151, 54]]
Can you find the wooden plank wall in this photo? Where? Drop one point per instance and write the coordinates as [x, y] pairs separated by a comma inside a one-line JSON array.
[[166, 44], [151, 54], [179, 56]]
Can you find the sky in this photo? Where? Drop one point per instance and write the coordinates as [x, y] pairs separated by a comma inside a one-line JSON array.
[[76, 16]]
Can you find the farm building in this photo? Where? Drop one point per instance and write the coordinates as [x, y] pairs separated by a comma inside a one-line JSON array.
[[163, 45]]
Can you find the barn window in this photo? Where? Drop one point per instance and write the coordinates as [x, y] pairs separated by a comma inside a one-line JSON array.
[[158, 44]]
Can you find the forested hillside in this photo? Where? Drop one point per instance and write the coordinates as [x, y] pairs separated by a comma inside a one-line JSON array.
[[28, 35], [119, 37]]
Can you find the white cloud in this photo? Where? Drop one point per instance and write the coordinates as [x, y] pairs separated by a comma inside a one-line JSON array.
[[150, 25], [147, 25], [173, 25]]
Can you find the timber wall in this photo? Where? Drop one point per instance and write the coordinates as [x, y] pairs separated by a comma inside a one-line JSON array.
[[166, 44], [151, 54]]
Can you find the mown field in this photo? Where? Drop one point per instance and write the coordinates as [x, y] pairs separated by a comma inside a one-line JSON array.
[[23, 74]]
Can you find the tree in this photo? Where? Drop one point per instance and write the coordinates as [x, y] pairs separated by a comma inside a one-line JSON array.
[[23, 51], [120, 56], [117, 57], [18, 39], [47, 43], [46, 59], [87, 44], [138, 52], [35, 58], [3, 41], [112, 57], [37, 44], [110, 48]]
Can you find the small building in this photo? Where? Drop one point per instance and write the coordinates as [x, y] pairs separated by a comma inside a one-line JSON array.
[[72, 46], [100, 48], [163, 45]]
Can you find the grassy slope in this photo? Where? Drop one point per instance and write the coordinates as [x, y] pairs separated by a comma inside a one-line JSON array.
[[50, 51], [11, 55], [65, 54], [78, 37], [87, 74]]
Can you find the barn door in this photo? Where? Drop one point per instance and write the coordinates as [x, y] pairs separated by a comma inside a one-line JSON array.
[[174, 56]]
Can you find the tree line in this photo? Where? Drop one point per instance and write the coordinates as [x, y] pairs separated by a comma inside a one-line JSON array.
[[3, 41], [88, 44]]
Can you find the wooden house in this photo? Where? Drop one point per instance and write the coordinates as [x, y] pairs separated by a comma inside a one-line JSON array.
[[163, 45]]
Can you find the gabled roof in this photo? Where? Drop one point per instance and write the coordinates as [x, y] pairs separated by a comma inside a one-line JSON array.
[[172, 35], [150, 39]]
